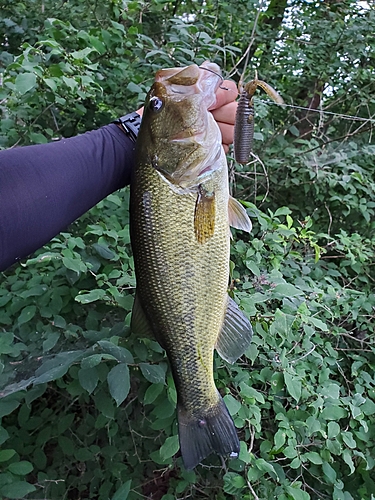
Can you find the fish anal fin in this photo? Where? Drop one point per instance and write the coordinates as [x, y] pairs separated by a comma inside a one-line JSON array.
[[238, 217], [236, 333], [211, 432], [139, 323], [204, 215]]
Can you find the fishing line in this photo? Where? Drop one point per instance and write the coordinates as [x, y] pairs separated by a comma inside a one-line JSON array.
[[344, 117]]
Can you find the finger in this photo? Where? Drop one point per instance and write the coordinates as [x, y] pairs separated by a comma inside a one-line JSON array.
[[226, 114], [227, 133], [226, 94]]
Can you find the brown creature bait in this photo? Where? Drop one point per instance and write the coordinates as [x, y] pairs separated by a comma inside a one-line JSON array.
[[244, 124]]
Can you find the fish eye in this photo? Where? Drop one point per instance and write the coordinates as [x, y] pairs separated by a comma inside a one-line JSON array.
[[156, 104]]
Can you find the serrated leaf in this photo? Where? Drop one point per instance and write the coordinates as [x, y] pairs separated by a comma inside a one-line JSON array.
[[25, 82], [119, 382], [153, 373], [169, 448]]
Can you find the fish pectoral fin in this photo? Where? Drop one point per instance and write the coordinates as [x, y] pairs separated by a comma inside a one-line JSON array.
[[139, 323], [204, 215], [238, 217], [236, 333]]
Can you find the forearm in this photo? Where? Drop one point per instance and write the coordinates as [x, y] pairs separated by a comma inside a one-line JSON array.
[[44, 188]]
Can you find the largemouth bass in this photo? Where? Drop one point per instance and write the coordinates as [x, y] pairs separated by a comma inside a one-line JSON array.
[[180, 217]]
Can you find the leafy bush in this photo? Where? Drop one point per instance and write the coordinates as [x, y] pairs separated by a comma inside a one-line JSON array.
[[87, 409]]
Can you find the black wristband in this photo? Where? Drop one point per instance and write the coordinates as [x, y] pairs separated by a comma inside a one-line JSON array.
[[130, 124]]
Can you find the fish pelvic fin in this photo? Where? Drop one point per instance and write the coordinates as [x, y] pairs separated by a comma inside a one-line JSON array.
[[213, 431], [236, 333], [238, 217]]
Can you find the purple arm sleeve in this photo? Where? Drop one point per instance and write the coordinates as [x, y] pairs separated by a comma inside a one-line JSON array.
[[44, 188]]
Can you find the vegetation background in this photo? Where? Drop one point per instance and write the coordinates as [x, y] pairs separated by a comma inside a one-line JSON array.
[[87, 410]]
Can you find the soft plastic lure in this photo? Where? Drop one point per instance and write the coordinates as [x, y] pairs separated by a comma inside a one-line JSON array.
[[244, 124]]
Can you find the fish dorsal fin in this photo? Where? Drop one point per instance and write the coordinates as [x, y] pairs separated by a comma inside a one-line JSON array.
[[235, 335], [238, 217], [139, 323], [204, 216]]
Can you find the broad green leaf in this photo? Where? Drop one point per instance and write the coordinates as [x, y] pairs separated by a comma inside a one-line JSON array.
[[232, 404], [17, 489], [333, 429], [297, 493], [279, 439], [152, 393], [169, 448], [26, 315], [313, 457], [287, 290], [119, 382], [25, 82], [293, 385], [21, 468], [122, 492], [118, 352], [347, 456], [6, 455], [333, 413], [153, 373], [88, 378], [329, 472], [86, 298]]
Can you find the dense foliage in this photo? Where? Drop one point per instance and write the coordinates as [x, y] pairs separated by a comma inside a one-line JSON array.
[[87, 409]]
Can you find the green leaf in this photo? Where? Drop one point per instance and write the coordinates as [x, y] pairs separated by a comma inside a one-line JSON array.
[[169, 448], [152, 393], [347, 456], [20, 468], [26, 315], [86, 298], [279, 439], [17, 489], [313, 457], [122, 492], [118, 352], [88, 378], [329, 472], [287, 290], [6, 455], [153, 373], [25, 82], [333, 429], [333, 413], [297, 493], [293, 385], [232, 404], [119, 382]]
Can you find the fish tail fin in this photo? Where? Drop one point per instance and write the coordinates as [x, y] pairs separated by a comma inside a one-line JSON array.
[[212, 431]]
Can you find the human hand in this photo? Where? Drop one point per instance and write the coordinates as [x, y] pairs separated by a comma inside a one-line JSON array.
[[224, 111]]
